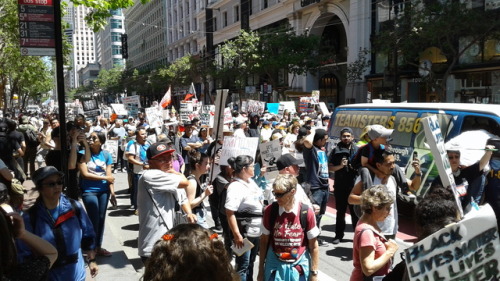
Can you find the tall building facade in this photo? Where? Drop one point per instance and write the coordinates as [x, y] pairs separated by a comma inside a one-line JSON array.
[[183, 27], [146, 28], [83, 41], [108, 42]]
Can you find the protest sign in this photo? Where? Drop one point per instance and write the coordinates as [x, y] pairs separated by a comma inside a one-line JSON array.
[[119, 109], [234, 146], [154, 117], [132, 104], [220, 102], [186, 111], [256, 106], [315, 97], [324, 109], [89, 105], [112, 147], [467, 250], [228, 117], [288, 105], [92, 113], [244, 106], [436, 143], [306, 104], [273, 107], [207, 116], [270, 152]]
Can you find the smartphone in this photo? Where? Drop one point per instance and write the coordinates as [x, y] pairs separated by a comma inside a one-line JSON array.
[[415, 155]]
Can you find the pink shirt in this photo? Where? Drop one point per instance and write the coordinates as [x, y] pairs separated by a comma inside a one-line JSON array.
[[367, 239]]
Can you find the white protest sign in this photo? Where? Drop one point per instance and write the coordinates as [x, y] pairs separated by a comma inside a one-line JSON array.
[[186, 111], [132, 103], [244, 106], [154, 117], [315, 97], [207, 116], [112, 147], [288, 105], [228, 117], [270, 152], [467, 250], [324, 109], [234, 147], [220, 102], [436, 143], [119, 109], [256, 106]]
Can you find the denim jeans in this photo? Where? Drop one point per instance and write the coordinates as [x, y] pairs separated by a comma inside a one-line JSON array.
[[96, 205], [244, 263], [133, 194], [320, 197], [201, 215]]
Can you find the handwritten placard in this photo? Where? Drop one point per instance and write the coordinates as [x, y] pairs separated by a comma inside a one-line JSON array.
[[467, 250], [270, 152], [234, 147]]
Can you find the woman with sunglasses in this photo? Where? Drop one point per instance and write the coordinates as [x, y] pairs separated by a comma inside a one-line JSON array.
[[96, 184], [64, 223], [372, 252], [244, 203], [288, 244]]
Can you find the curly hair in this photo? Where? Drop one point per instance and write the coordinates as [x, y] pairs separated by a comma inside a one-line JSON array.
[[284, 183], [189, 254], [376, 196]]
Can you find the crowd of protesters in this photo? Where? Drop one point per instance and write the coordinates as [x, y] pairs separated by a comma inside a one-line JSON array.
[[173, 170]]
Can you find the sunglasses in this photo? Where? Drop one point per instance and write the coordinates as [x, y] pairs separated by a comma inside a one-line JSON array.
[[280, 195], [53, 184]]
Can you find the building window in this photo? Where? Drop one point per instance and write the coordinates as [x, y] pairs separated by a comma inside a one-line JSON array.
[[116, 37], [250, 7], [265, 4], [224, 19], [116, 23], [116, 50], [215, 24], [236, 13]]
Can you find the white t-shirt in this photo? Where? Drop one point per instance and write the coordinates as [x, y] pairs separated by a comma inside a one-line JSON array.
[[390, 225], [163, 187], [246, 197]]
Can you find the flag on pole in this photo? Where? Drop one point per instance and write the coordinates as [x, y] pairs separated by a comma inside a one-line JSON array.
[[167, 99], [191, 92]]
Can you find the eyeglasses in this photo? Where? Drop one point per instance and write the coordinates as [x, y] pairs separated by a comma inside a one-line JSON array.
[[280, 195], [53, 184]]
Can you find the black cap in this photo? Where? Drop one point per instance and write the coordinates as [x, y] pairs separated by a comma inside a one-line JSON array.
[[319, 134], [287, 160], [45, 172], [158, 149]]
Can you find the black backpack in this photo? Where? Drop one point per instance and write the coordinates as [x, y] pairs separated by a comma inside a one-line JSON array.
[[31, 137]]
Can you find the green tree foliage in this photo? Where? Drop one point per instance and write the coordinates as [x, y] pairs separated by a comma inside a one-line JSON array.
[[110, 81], [441, 24]]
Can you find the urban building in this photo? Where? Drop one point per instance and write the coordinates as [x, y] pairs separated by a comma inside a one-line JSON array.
[[108, 42]]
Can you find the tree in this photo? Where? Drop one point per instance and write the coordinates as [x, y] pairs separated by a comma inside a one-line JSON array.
[[357, 68], [110, 81], [450, 26]]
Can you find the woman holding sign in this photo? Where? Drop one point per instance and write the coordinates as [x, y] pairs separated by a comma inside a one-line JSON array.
[[372, 252], [244, 203]]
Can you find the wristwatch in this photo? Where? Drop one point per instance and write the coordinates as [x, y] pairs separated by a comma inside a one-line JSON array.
[[314, 272]]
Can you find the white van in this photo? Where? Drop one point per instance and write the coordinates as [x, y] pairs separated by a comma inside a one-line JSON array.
[[408, 136]]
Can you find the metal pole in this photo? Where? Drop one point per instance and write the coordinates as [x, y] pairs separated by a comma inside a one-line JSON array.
[[60, 85]]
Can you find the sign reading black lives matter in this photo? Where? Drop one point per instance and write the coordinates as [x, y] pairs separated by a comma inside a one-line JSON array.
[[467, 250]]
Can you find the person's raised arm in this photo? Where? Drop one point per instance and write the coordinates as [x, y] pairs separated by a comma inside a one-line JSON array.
[[486, 157], [309, 139]]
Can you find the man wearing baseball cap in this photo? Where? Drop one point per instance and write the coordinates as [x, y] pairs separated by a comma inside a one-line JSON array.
[[160, 188]]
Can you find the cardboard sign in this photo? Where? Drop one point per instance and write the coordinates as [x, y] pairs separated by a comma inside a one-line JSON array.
[[154, 117], [112, 147], [324, 109], [467, 250], [119, 109], [220, 102], [234, 147], [436, 143], [270, 152]]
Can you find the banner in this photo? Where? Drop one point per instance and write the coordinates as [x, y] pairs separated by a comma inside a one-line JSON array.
[[154, 117], [436, 143], [270, 152], [234, 147], [467, 250]]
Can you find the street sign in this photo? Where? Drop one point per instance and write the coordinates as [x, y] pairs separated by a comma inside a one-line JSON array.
[[36, 28]]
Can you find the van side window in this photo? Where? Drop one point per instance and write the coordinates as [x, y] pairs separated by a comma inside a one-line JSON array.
[[405, 125], [472, 122]]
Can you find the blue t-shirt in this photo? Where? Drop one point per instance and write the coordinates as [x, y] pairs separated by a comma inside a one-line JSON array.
[[316, 163], [97, 166]]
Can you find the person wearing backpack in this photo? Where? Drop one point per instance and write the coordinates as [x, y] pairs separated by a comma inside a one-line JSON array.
[[385, 165], [345, 176], [288, 244], [31, 139]]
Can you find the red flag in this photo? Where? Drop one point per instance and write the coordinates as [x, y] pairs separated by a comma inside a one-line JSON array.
[[188, 96], [167, 99]]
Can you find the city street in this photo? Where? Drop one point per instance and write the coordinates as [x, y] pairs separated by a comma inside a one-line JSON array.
[[120, 238]]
